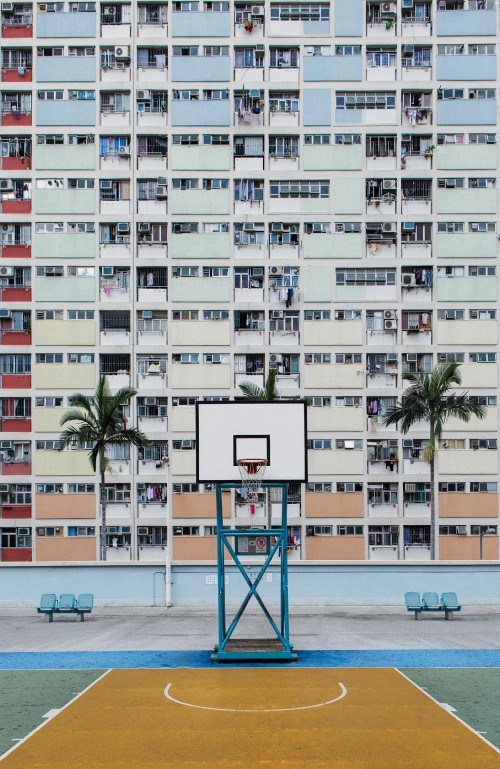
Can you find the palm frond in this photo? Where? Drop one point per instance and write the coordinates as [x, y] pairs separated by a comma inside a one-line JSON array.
[[251, 391], [271, 392], [73, 415], [129, 435]]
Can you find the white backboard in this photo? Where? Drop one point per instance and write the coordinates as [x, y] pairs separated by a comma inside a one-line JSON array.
[[272, 430]]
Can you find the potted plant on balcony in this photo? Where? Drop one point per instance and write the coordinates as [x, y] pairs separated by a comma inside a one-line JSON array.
[[428, 152]]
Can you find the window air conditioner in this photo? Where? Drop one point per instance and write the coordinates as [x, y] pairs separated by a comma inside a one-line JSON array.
[[122, 53], [392, 357], [259, 48], [409, 48], [407, 4], [388, 8], [6, 185], [275, 271], [389, 184], [144, 227], [123, 227], [106, 184], [408, 226], [461, 529], [124, 152], [390, 325], [142, 529], [256, 10], [275, 358], [143, 95], [4, 313], [389, 314], [310, 51], [3, 488], [7, 7], [149, 401], [107, 272], [161, 192], [407, 443], [276, 227], [388, 227], [277, 314], [109, 10], [394, 529], [257, 271], [5, 444], [411, 357], [147, 314], [162, 180], [6, 271], [410, 487]]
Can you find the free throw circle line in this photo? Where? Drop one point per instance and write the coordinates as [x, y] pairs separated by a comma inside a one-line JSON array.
[[256, 710]]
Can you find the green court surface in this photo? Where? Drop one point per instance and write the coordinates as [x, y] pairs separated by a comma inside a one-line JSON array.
[[27, 695], [473, 692]]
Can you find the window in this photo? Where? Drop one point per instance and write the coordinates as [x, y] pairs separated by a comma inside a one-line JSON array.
[[451, 488], [185, 272], [476, 530], [483, 487], [349, 488], [451, 227], [348, 227], [49, 315], [81, 488], [483, 314], [49, 488], [481, 49], [317, 139], [186, 139], [300, 12], [482, 139], [216, 272], [49, 95], [215, 315], [451, 50], [213, 358], [317, 357], [184, 401], [319, 401], [219, 94], [81, 95], [185, 488], [187, 50], [184, 314], [481, 93], [302, 189], [450, 314], [349, 531], [49, 357], [284, 57], [319, 531], [483, 443], [349, 445], [451, 443], [482, 357], [451, 183], [215, 184], [319, 444], [80, 357], [365, 100], [347, 314], [186, 531], [345, 401], [50, 531], [48, 445], [216, 50], [451, 357], [482, 227], [319, 488], [483, 400], [185, 184], [317, 315], [347, 358], [446, 531], [81, 531], [359, 277], [381, 57], [80, 314], [186, 357], [482, 183], [48, 401]]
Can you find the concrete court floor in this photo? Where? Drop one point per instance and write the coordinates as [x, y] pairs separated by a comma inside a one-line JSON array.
[[129, 629]]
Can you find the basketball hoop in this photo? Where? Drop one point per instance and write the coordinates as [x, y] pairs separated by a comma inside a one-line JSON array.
[[252, 473]]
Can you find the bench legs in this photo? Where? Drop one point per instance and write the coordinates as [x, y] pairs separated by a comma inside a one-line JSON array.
[[418, 615], [50, 617], [448, 615], [82, 616]]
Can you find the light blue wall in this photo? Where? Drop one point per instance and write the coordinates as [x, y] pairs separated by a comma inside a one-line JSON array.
[[77, 113], [317, 106], [200, 24], [461, 112], [66, 24], [454, 23], [317, 28], [65, 69], [348, 16], [200, 113], [466, 67], [317, 68], [320, 584], [200, 69], [349, 116]]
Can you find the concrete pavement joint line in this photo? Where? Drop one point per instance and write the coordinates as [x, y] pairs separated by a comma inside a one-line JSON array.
[[256, 710], [48, 720], [452, 714]]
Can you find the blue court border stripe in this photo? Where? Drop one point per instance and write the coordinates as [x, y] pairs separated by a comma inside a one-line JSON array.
[[373, 658]]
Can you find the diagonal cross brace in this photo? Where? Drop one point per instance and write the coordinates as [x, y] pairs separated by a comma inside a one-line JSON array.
[[253, 589]]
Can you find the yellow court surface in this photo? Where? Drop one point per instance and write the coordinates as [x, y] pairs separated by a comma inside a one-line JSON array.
[[277, 718]]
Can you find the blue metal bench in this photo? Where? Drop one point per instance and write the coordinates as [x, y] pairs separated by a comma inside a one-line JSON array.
[[432, 603], [67, 604]]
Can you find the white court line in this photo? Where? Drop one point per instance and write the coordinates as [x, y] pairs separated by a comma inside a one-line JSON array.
[[255, 710], [49, 719], [453, 715]]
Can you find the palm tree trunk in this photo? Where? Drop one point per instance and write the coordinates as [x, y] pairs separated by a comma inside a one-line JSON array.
[[433, 511], [102, 528]]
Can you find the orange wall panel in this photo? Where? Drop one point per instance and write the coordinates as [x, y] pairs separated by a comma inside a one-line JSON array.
[[463, 505], [65, 506], [334, 505], [66, 549], [335, 548], [466, 548], [194, 548], [198, 505]]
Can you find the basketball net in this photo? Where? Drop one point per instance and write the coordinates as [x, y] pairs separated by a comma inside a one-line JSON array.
[[252, 473]]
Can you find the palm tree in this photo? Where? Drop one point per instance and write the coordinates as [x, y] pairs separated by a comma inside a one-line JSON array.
[[428, 398], [100, 422], [269, 392]]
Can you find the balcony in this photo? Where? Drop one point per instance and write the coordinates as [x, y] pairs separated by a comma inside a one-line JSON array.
[[15, 467], [14, 338], [382, 373], [155, 71], [381, 19], [157, 468], [15, 424], [151, 332], [15, 381], [17, 25], [115, 22], [21, 74], [416, 284], [416, 197], [18, 249], [16, 117]]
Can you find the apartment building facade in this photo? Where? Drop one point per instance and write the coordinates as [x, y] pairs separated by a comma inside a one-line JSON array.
[[196, 192]]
